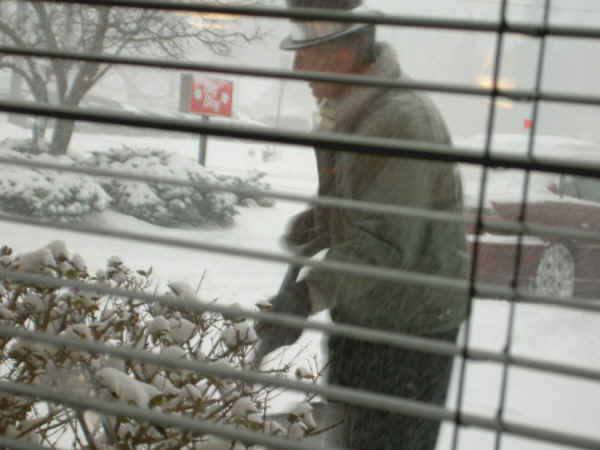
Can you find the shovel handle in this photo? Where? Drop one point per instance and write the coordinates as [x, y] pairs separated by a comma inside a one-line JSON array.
[[291, 274], [307, 250]]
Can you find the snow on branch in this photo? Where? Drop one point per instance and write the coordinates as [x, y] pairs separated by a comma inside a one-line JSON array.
[[71, 197], [116, 321]]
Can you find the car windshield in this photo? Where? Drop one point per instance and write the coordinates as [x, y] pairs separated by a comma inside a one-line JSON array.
[[584, 188]]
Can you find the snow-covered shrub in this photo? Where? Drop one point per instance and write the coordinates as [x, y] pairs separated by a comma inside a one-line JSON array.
[[169, 205], [47, 193], [126, 322], [21, 145]]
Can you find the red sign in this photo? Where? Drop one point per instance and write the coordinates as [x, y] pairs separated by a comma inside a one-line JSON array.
[[212, 96], [528, 124]]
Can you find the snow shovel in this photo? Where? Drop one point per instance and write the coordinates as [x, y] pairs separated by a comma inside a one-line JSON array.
[[307, 250], [291, 275]]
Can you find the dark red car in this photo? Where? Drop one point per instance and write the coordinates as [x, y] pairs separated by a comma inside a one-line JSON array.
[[553, 266]]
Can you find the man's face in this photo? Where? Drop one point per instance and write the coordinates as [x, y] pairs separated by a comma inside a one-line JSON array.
[[325, 58]]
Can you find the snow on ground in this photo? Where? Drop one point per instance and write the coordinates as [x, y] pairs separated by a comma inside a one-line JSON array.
[[556, 402]]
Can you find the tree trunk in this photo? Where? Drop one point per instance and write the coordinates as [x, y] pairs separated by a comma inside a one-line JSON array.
[[38, 134], [16, 80], [63, 131]]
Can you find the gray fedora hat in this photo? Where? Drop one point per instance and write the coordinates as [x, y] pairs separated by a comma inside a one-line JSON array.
[[316, 32]]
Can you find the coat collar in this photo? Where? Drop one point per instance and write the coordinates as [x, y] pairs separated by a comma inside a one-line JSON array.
[[347, 109]]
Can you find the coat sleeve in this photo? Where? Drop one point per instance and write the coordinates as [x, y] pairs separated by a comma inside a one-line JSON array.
[[374, 239]]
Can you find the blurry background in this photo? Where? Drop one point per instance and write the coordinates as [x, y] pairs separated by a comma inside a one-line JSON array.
[[466, 58]]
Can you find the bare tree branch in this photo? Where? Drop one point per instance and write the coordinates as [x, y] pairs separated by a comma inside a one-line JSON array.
[[102, 30], [84, 79], [59, 67], [33, 80], [12, 34], [16, 69]]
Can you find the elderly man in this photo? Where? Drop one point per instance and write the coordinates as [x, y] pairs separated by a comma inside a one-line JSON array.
[[350, 236]]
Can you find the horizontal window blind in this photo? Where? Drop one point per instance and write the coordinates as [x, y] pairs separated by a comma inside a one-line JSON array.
[[465, 351]]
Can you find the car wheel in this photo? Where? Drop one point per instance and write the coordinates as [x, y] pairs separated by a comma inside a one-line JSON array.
[[555, 272]]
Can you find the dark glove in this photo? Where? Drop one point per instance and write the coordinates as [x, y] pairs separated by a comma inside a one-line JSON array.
[[303, 236], [293, 299]]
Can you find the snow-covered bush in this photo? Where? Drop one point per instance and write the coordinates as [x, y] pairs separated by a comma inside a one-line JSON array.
[[169, 205], [70, 197], [119, 321], [47, 193], [22, 146]]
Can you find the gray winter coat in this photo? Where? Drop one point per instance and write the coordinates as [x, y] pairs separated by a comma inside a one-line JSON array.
[[428, 247]]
